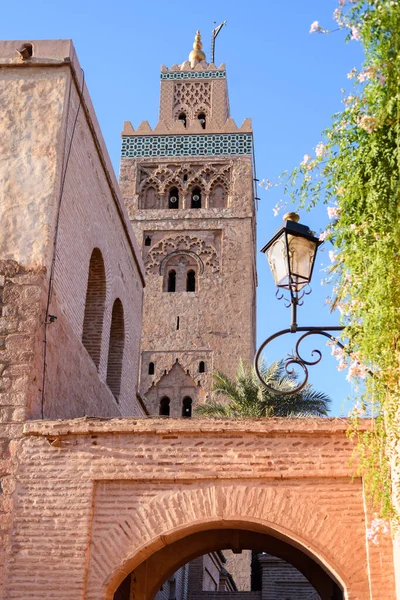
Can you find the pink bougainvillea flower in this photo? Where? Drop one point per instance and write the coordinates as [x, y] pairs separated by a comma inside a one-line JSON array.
[[368, 123], [356, 370], [355, 34], [322, 236], [333, 212], [337, 352]]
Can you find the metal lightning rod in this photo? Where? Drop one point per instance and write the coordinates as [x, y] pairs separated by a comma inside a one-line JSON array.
[[214, 34]]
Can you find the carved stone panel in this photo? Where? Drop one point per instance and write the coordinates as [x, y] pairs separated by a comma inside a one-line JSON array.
[[205, 253]]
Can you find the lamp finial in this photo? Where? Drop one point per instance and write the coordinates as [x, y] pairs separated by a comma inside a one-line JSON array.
[[291, 216]]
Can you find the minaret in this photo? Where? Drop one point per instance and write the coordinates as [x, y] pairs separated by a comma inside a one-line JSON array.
[[188, 188]]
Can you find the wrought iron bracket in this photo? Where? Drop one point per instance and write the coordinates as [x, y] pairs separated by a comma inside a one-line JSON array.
[[296, 358]]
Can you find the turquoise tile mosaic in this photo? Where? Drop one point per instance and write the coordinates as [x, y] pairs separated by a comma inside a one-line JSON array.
[[193, 75], [143, 146]]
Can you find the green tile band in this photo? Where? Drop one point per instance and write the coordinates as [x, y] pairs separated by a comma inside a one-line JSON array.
[[142, 146], [193, 75]]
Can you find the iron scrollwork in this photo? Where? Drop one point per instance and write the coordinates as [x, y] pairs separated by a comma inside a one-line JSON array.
[[296, 359]]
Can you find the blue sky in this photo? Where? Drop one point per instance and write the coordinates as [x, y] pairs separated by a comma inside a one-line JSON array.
[[288, 81]]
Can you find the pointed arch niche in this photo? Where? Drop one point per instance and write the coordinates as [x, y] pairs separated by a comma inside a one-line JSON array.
[[218, 195], [183, 269], [94, 307], [149, 197], [116, 349]]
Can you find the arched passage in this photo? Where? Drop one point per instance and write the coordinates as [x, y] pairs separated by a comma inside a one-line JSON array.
[[190, 480], [152, 572]]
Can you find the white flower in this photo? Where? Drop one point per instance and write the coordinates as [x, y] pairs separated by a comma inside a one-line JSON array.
[[320, 149], [306, 159], [315, 27]]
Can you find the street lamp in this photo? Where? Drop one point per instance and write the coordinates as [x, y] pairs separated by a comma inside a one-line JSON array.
[[291, 255]]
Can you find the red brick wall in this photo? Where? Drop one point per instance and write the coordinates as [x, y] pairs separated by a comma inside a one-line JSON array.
[[105, 495], [90, 217]]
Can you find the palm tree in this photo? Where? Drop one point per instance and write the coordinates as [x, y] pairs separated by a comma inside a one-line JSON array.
[[247, 397]]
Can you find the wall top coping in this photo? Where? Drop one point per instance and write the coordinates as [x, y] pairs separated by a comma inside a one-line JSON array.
[[314, 427], [61, 53]]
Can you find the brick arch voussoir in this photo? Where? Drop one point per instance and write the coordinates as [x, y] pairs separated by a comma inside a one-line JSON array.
[[174, 515]]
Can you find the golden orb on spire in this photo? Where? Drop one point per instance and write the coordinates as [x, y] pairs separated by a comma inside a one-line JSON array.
[[197, 52]]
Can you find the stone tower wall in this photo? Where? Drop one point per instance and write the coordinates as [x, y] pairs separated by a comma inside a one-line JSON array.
[[213, 326]]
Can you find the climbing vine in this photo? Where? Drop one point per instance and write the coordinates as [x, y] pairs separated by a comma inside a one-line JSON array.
[[356, 172]]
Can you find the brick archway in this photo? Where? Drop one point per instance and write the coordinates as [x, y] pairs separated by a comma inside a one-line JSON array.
[[147, 579], [290, 512], [105, 495]]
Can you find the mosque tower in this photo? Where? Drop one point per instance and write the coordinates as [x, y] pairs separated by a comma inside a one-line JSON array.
[[189, 189]]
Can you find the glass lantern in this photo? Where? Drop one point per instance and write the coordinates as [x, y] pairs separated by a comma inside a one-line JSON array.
[[291, 254]]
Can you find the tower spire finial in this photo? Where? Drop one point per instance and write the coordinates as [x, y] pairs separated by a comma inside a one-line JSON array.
[[197, 52]]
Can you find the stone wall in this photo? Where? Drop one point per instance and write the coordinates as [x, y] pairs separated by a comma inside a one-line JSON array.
[[240, 566], [217, 323], [60, 200]]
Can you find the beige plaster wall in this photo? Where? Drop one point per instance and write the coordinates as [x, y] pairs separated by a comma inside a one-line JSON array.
[[41, 113], [32, 103]]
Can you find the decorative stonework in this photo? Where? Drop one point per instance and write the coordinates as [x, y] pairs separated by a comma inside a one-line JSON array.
[[194, 75], [187, 145], [192, 97], [206, 253], [184, 176]]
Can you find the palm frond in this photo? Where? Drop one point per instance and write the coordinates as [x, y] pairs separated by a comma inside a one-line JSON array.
[[247, 397]]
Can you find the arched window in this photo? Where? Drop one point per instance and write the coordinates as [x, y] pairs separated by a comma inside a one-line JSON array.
[[151, 368], [182, 118], [171, 281], [173, 198], [187, 407], [150, 198], [147, 240], [202, 367], [218, 196], [202, 118], [94, 307], [164, 406], [116, 349], [196, 198], [191, 281]]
